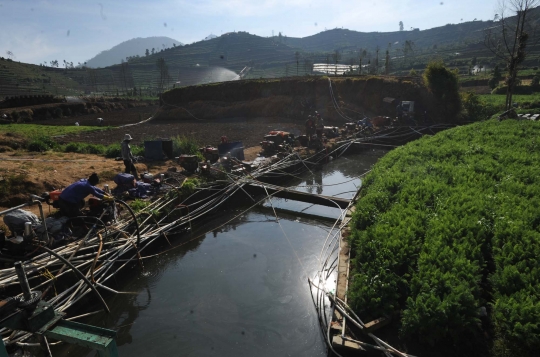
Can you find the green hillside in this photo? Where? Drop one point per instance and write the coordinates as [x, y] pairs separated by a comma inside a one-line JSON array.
[[28, 79], [222, 58]]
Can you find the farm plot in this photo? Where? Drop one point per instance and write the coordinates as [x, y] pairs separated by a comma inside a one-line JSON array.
[[446, 237]]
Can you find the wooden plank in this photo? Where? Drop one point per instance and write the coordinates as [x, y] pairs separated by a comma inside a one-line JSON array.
[[337, 341], [376, 324]]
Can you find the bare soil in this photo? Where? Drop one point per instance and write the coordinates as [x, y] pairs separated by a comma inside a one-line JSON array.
[[38, 172], [250, 131], [113, 118]]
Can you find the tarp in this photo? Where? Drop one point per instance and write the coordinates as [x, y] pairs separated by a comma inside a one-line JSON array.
[[236, 148], [15, 220], [158, 149]]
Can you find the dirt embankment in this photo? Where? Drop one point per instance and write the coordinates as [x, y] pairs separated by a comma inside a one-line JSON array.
[[295, 98], [72, 109]]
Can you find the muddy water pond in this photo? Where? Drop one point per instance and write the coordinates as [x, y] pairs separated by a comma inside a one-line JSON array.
[[239, 290]]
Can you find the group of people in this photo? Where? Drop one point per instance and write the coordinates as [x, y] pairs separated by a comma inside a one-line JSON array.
[[314, 126], [71, 199]]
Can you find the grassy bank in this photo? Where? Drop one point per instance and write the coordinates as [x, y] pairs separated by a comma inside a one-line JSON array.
[[40, 138], [33, 130], [499, 99], [447, 229]]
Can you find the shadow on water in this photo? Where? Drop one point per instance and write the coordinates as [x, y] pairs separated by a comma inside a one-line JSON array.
[[239, 290]]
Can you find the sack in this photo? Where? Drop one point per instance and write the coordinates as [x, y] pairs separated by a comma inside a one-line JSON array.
[[124, 179], [15, 220], [54, 225]]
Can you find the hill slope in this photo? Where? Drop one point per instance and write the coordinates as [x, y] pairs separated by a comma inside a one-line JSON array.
[[133, 47]]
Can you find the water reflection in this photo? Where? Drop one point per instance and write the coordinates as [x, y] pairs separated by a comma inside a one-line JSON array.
[[240, 290]]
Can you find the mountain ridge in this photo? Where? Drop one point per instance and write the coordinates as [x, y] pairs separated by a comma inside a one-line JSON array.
[[133, 47]]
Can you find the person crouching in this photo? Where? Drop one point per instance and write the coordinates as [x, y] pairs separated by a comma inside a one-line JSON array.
[[71, 199]]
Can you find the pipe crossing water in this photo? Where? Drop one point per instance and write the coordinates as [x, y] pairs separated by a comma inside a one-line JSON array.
[[288, 193]]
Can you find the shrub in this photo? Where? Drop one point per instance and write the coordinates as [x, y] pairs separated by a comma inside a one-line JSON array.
[[72, 147], [535, 81], [57, 113], [26, 115], [96, 149], [137, 150], [113, 151], [190, 185], [475, 107], [493, 83], [83, 148], [41, 144], [138, 205], [185, 145], [15, 116]]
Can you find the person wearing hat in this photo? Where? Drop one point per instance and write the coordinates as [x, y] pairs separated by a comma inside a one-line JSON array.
[[72, 197], [310, 127], [127, 156]]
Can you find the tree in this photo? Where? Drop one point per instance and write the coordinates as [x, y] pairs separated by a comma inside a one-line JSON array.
[[496, 77], [401, 26], [125, 75], [297, 57], [444, 85], [336, 57], [147, 52], [92, 78], [408, 48], [308, 66], [153, 50], [473, 61], [387, 63], [377, 61], [163, 74], [509, 41]]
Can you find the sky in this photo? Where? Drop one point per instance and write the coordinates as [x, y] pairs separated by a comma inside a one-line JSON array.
[[43, 30]]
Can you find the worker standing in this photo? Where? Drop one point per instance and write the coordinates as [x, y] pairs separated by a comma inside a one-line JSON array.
[[100, 121], [127, 156], [319, 125], [310, 127], [72, 197]]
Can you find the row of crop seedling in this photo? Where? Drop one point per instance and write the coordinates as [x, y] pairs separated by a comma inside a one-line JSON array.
[[446, 234]]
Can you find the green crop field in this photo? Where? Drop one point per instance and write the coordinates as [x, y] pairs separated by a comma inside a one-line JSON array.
[[499, 99], [35, 130], [447, 229]]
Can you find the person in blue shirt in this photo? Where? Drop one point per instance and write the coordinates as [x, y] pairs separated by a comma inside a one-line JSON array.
[[72, 197]]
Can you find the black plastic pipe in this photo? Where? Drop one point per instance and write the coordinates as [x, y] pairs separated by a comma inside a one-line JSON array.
[[78, 272]]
